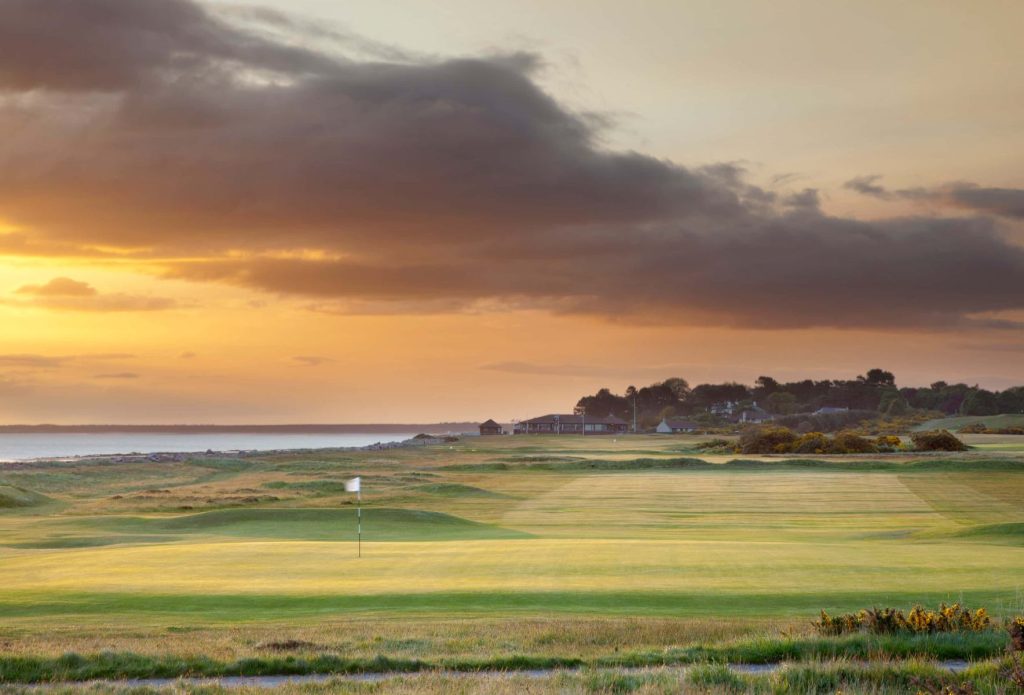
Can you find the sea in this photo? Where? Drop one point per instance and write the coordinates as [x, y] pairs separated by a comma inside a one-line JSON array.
[[20, 446]]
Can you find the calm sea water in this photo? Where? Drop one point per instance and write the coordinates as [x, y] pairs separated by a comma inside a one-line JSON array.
[[19, 446]]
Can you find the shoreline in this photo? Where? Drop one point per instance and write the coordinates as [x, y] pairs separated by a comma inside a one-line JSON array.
[[172, 456]]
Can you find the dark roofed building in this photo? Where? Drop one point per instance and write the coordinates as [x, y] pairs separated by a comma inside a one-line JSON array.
[[754, 415], [670, 425], [830, 410], [571, 424], [489, 428]]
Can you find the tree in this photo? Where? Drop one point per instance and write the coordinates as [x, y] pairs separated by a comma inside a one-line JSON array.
[[604, 403], [781, 403], [765, 386], [878, 377], [1011, 400], [707, 395], [679, 387], [979, 402]]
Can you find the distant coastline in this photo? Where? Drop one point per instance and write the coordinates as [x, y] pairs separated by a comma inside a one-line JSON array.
[[382, 428]]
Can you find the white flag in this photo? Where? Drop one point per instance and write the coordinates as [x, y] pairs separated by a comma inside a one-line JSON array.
[[352, 485]]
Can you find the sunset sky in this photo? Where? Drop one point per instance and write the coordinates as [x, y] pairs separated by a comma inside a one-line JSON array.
[[409, 211]]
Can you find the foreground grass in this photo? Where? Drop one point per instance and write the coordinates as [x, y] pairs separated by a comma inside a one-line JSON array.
[[764, 650], [837, 676]]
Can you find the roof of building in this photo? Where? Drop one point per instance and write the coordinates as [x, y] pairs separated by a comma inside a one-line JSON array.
[[489, 423], [576, 419], [680, 423]]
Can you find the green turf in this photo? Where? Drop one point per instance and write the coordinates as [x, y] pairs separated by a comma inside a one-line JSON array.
[[521, 526], [954, 423], [240, 608], [455, 490], [297, 524]]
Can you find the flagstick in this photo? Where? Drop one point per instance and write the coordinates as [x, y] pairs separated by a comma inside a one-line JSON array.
[[359, 522]]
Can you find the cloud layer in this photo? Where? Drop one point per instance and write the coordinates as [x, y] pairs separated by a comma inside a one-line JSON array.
[[74, 295], [326, 166], [1002, 202]]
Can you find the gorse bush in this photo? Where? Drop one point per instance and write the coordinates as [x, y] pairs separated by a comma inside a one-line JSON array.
[[715, 445], [774, 439], [920, 620], [767, 440], [850, 443], [1016, 629], [812, 443], [937, 440], [888, 442]]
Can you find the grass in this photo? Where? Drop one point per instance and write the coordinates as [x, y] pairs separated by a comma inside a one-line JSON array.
[[954, 423], [109, 665], [12, 497], [464, 544]]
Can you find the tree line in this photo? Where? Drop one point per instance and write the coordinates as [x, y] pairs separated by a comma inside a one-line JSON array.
[[873, 393]]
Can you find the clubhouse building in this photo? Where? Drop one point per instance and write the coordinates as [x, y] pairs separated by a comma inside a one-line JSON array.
[[571, 424]]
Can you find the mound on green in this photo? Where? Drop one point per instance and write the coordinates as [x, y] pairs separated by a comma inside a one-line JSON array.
[[456, 490], [15, 498], [1003, 534], [379, 524]]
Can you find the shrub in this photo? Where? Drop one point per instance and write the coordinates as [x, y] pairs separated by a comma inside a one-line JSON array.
[[850, 443], [716, 445], [766, 440], [888, 443], [937, 440], [976, 428], [884, 621], [839, 624], [812, 443], [1016, 628]]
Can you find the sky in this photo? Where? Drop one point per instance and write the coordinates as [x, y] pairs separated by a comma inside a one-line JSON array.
[[312, 211]]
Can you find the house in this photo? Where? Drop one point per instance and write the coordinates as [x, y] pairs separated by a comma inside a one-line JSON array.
[[723, 408], [571, 424], [676, 425], [754, 415], [829, 410], [490, 428]]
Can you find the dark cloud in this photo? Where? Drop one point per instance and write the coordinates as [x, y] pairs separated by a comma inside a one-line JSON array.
[[311, 360], [35, 361], [1006, 202], [577, 370], [382, 180], [74, 295], [791, 271], [32, 361], [117, 375], [112, 44], [112, 302], [868, 186], [1003, 202], [59, 287]]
